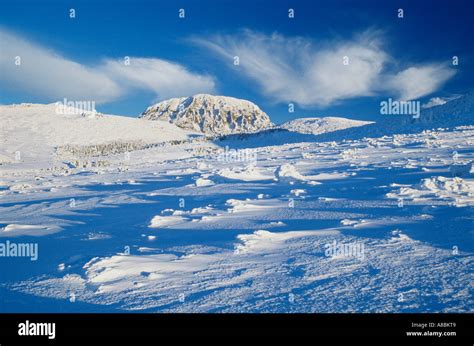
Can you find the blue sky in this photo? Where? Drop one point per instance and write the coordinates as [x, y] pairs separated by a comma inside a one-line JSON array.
[[282, 60]]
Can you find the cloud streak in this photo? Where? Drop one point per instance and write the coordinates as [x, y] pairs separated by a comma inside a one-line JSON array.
[[46, 74], [415, 82], [166, 79], [296, 69], [284, 69]]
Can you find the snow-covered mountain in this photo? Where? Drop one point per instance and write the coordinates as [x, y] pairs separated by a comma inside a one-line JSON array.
[[214, 115], [316, 126]]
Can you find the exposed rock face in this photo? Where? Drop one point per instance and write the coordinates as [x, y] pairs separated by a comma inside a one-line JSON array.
[[214, 115]]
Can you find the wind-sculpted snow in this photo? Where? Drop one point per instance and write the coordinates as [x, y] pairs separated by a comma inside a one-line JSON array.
[[374, 224], [456, 191], [248, 173]]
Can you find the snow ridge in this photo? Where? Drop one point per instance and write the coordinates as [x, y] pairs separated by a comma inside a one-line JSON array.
[[316, 126]]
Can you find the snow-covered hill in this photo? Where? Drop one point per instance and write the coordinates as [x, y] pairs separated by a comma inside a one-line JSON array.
[[316, 126], [214, 115], [34, 133], [457, 112], [460, 109]]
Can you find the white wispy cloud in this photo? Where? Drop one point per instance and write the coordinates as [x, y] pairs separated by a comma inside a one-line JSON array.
[[415, 82], [297, 69], [47, 74], [166, 79]]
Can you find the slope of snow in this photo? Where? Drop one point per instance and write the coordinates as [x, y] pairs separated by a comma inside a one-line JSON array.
[[316, 126], [457, 110], [214, 115], [60, 129], [357, 223], [39, 135]]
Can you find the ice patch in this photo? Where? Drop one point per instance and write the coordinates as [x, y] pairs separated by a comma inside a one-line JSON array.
[[204, 182]]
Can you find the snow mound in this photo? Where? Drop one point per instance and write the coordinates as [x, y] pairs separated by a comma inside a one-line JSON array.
[[288, 173], [16, 230], [204, 182], [458, 191], [249, 173], [263, 241], [247, 206], [119, 273], [166, 221], [214, 115], [260, 240], [450, 185]]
